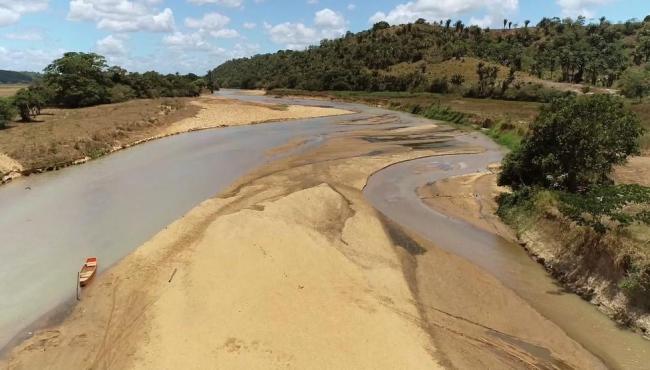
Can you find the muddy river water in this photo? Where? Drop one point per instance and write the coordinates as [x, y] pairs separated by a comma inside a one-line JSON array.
[[106, 208]]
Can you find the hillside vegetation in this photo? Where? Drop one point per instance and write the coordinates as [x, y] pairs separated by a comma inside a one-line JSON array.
[[445, 56], [12, 77]]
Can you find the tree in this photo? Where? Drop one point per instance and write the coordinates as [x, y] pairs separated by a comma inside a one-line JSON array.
[[29, 103], [78, 80], [574, 143], [635, 83], [505, 23], [7, 112], [487, 78], [526, 23]]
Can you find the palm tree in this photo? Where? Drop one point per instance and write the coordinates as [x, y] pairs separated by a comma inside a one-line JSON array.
[[505, 22], [526, 23]]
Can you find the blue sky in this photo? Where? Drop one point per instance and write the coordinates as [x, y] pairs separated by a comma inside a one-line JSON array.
[[195, 35]]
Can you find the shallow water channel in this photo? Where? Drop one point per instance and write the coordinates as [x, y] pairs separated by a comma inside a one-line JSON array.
[[393, 192]]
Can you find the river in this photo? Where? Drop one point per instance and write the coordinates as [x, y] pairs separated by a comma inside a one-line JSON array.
[[108, 207]]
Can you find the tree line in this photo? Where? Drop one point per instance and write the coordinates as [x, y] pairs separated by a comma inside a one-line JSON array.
[[85, 79], [564, 50]]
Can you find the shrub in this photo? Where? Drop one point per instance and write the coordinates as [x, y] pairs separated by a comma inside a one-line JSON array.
[[7, 112], [121, 93], [439, 85]]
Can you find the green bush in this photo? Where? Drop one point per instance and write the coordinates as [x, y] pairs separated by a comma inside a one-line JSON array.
[[121, 93], [7, 112], [573, 144]]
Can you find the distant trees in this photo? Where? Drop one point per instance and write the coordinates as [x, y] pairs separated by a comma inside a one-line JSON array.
[[566, 50], [573, 143], [84, 79]]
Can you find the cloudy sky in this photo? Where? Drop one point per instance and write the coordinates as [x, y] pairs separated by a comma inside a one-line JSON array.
[[195, 35]]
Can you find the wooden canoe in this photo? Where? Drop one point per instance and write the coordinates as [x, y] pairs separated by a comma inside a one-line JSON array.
[[88, 271]]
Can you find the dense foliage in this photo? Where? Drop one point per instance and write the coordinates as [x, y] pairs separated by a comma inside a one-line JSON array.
[[84, 79], [378, 59], [573, 143]]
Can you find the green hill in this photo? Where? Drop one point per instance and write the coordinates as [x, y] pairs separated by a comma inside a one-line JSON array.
[[12, 77], [439, 56]]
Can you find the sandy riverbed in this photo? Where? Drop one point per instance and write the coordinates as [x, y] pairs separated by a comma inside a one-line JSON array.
[[292, 268]]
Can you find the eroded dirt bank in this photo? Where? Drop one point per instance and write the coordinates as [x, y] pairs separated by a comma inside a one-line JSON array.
[[579, 259], [292, 268]]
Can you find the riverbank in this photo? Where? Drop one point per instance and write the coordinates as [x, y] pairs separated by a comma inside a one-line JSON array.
[[65, 137], [292, 267], [587, 263]]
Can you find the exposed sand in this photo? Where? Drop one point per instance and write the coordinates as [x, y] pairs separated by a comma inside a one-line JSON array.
[[220, 112], [292, 268], [471, 198], [8, 164]]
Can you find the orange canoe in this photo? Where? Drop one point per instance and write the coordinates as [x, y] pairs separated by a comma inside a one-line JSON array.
[[88, 271]]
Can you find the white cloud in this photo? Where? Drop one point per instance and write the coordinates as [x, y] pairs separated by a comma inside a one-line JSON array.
[[111, 46], [27, 60], [483, 22], [573, 8], [12, 10], [293, 35], [25, 36], [187, 41], [434, 10], [352, 7], [225, 33], [329, 19], [249, 25], [327, 24], [226, 3], [210, 21], [123, 15]]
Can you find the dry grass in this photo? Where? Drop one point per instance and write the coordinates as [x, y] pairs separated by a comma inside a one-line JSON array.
[[65, 135], [643, 111], [10, 89]]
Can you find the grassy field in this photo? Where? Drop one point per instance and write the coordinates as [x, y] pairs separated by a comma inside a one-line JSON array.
[[9, 89], [64, 135]]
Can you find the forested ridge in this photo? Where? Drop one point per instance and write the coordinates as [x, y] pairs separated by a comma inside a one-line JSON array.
[[408, 57], [13, 77]]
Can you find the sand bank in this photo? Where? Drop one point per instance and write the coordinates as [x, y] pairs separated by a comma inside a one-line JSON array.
[[221, 112]]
